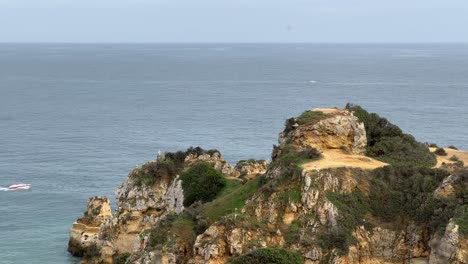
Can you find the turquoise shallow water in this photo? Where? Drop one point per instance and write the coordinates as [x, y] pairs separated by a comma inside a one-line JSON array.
[[74, 119]]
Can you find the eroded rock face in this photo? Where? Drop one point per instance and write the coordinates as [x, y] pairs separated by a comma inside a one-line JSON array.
[[448, 248], [266, 219], [85, 231], [166, 193], [216, 160], [340, 130], [251, 167]]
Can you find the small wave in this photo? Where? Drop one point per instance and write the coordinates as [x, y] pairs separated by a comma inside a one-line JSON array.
[[312, 81], [4, 189]]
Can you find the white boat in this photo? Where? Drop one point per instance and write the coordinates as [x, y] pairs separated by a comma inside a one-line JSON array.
[[21, 186]]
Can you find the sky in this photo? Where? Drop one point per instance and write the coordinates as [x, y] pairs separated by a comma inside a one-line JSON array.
[[322, 21]]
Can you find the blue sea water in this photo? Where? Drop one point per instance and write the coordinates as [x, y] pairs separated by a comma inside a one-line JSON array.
[[74, 119]]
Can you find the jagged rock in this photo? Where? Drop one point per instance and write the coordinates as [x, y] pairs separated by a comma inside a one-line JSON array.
[[290, 210], [166, 193], [85, 231], [445, 249], [446, 188], [216, 160], [340, 130], [251, 167]]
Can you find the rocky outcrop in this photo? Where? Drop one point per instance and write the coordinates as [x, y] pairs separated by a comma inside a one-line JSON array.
[[85, 231], [215, 159], [339, 129], [251, 167], [293, 205], [448, 247]]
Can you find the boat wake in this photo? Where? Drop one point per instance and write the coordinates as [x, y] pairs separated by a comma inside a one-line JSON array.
[[15, 187]]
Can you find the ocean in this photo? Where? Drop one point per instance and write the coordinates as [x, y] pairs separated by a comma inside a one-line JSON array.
[[76, 118]]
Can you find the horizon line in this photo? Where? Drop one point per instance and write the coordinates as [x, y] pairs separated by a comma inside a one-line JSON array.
[[223, 42]]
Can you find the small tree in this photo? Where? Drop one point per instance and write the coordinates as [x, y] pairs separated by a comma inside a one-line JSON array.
[[201, 182]]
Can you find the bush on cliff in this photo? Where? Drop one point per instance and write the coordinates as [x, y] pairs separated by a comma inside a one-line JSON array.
[[440, 152], [269, 256], [388, 143], [148, 173], [407, 194], [201, 182]]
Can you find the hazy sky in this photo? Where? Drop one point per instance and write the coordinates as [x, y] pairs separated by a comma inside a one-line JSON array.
[[233, 21]]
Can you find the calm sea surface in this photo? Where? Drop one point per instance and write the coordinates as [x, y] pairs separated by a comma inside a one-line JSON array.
[[74, 119]]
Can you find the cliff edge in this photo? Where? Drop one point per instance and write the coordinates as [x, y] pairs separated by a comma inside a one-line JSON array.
[[344, 186]]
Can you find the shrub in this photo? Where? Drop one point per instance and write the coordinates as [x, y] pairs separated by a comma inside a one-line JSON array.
[[388, 143], [200, 151], [93, 251], [452, 147], [462, 221], [407, 193], [336, 238], [148, 173], [269, 256], [309, 117], [177, 157], [454, 158], [351, 206], [401, 150], [293, 233], [120, 258], [310, 154], [201, 182], [173, 227], [440, 152]]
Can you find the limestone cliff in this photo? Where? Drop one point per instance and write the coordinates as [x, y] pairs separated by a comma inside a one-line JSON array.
[[321, 197]]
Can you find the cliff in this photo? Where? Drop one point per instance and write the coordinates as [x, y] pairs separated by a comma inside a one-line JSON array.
[[339, 190]]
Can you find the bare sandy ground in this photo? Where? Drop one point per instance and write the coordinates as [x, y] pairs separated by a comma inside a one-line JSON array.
[[335, 158], [329, 110], [462, 155]]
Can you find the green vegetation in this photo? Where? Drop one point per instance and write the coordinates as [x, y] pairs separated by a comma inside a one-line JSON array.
[[151, 171], [440, 152], [172, 164], [352, 209], [400, 195], [306, 118], [309, 117], [233, 197], [462, 220], [387, 142], [291, 193], [406, 193], [293, 233], [269, 256], [93, 251], [336, 238], [452, 147], [120, 258], [171, 229], [291, 158], [201, 182], [454, 158]]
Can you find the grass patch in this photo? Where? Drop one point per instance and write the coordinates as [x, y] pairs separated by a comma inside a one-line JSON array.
[[171, 229], [310, 117], [233, 196]]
